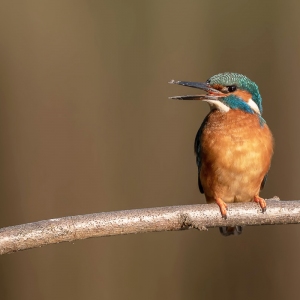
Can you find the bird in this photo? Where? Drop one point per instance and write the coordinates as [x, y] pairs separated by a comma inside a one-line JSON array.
[[234, 145]]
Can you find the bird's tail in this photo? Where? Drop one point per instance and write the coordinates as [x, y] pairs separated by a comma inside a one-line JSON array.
[[227, 231]]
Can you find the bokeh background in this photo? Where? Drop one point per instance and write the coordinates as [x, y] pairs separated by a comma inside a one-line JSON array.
[[86, 126]]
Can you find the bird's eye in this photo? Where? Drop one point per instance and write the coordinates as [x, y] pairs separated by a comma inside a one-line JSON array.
[[231, 88]]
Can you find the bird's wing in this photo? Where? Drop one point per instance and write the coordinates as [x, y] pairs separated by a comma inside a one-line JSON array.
[[197, 149], [262, 185]]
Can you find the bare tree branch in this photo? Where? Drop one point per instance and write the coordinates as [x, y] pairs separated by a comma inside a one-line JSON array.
[[201, 217]]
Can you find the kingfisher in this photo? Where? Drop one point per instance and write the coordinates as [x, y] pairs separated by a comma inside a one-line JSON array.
[[234, 145]]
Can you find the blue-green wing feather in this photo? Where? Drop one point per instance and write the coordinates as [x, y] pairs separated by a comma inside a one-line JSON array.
[[264, 182], [197, 149]]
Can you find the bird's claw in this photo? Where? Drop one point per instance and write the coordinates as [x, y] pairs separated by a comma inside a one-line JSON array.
[[223, 207], [262, 203]]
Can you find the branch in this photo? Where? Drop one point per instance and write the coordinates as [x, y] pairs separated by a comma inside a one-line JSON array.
[[201, 217]]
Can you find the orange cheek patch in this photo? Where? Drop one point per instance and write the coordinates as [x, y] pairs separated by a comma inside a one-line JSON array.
[[243, 95], [217, 86]]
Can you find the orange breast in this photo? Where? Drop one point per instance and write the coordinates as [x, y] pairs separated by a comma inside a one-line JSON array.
[[236, 154]]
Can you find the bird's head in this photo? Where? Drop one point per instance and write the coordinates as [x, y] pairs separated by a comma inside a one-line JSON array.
[[226, 91]]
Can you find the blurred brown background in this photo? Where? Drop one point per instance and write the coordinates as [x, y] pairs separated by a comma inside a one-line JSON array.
[[86, 126]]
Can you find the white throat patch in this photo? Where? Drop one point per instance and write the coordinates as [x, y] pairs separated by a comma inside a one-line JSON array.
[[253, 105], [215, 104]]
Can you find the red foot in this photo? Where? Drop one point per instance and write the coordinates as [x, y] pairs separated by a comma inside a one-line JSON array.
[[223, 207], [262, 203]]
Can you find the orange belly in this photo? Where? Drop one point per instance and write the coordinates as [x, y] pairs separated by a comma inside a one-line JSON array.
[[236, 154]]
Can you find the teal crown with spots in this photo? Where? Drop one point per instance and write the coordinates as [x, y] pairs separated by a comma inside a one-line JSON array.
[[241, 82]]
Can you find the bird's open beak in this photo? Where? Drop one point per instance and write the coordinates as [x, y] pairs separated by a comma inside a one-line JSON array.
[[212, 94]]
